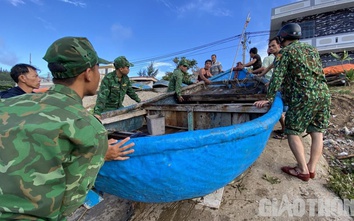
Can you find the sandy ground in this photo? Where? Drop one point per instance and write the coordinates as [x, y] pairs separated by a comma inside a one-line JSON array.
[[261, 193]]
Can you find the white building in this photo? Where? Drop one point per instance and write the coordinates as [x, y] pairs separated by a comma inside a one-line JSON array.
[[327, 25]]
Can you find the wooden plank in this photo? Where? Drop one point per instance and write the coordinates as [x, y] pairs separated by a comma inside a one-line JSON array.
[[211, 120], [238, 118], [190, 121], [124, 116], [178, 128], [345, 157], [202, 120], [232, 108], [226, 98]]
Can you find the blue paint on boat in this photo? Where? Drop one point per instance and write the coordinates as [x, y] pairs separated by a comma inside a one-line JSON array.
[[163, 83], [141, 86], [189, 164], [228, 75]]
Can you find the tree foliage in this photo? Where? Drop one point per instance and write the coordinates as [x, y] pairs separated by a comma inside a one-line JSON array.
[[150, 71], [192, 67], [342, 58], [5, 80]]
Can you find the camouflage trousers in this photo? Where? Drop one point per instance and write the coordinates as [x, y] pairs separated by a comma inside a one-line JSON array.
[[311, 115]]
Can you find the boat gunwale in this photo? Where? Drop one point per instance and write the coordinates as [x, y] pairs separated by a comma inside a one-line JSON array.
[[166, 142]]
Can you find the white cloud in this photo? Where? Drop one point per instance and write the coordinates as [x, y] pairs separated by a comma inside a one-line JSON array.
[[200, 6], [163, 64], [46, 24], [16, 2], [22, 2], [121, 32], [37, 2], [75, 2], [160, 75]]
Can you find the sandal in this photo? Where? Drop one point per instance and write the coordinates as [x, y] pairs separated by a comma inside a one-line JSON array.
[[312, 175], [278, 131], [301, 176], [280, 136]]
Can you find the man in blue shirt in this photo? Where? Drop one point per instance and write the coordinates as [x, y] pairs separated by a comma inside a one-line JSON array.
[[26, 78]]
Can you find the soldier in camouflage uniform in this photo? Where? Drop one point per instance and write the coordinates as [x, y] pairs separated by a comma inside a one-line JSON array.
[[298, 69], [177, 78], [114, 86], [51, 148]]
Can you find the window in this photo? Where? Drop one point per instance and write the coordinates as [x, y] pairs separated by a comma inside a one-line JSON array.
[[308, 29]]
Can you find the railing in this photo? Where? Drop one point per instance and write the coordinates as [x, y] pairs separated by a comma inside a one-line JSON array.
[[332, 42], [306, 5]]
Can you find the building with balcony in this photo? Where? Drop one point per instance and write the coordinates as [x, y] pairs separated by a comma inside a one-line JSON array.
[[327, 25]]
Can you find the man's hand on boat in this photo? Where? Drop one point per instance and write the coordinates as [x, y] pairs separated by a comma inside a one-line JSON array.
[[116, 150], [261, 103], [98, 117]]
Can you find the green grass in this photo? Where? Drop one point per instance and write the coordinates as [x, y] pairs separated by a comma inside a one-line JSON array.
[[347, 90], [341, 183], [341, 178]]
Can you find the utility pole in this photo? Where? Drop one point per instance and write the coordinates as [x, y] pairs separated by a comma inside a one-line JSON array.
[[30, 59], [244, 48], [243, 40]]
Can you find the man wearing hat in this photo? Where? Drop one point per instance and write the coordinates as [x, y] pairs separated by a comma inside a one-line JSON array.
[[177, 78], [114, 86], [51, 147], [298, 71]]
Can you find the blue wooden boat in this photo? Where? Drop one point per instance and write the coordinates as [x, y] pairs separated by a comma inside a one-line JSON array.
[[209, 141]]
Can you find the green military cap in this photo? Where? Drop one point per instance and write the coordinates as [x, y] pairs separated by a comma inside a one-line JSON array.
[[122, 62], [69, 56], [184, 63]]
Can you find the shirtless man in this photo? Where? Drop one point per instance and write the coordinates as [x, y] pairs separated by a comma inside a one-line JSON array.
[[204, 73]]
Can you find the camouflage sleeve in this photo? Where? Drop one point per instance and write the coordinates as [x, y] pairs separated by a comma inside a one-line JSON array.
[[87, 160], [281, 64], [179, 81], [102, 97], [47, 160], [187, 81], [131, 92]]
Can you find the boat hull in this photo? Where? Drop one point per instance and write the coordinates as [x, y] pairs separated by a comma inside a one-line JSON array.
[[188, 164]]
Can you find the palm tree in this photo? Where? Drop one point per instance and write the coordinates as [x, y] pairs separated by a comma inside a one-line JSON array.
[[150, 71]]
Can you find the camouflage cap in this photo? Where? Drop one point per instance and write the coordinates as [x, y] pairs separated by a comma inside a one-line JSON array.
[[69, 56], [184, 63], [122, 62]]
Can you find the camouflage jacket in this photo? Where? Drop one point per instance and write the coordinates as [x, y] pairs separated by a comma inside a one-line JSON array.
[[176, 80], [298, 72], [51, 150], [112, 92]]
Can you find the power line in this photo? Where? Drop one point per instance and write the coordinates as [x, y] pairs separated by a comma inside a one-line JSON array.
[[197, 50]]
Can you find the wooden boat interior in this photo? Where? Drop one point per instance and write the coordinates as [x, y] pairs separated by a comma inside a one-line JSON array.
[[205, 106]]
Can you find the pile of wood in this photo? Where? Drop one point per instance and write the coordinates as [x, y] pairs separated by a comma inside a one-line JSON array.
[[335, 75], [336, 79]]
